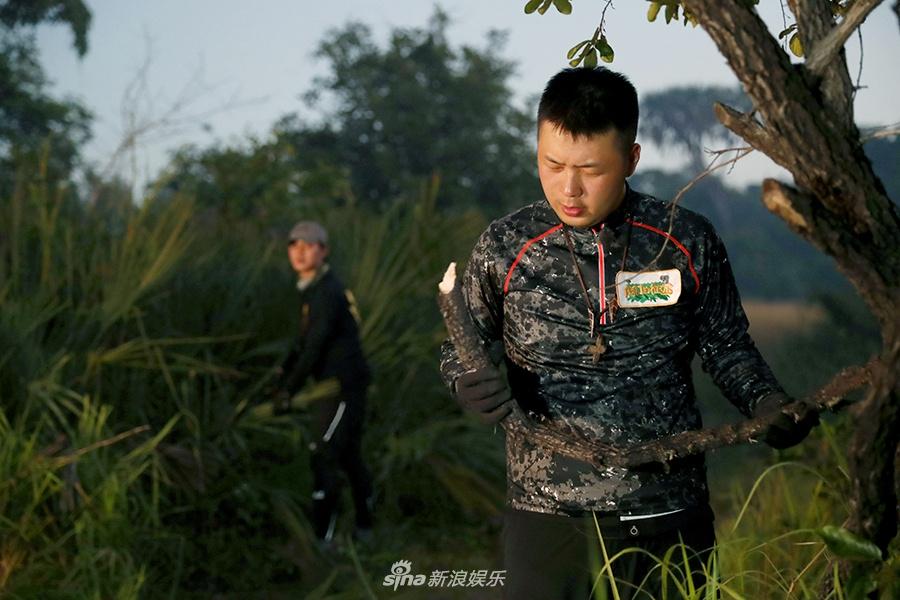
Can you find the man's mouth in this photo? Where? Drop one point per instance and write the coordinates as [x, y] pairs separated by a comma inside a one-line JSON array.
[[573, 211]]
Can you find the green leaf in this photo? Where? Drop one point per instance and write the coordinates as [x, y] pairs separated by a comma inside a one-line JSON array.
[[531, 6], [671, 12], [861, 585], [606, 52], [574, 49], [795, 45], [653, 11], [543, 7], [590, 61], [846, 544], [563, 6]]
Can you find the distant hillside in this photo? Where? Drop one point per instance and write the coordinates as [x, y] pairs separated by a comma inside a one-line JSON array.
[[769, 260]]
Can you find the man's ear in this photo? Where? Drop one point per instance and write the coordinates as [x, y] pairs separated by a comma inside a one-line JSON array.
[[634, 157], [326, 250]]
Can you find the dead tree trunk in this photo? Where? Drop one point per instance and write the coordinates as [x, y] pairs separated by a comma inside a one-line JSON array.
[[803, 120]]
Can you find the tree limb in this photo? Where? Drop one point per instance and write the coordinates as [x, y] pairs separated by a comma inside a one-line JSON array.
[[884, 132], [748, 127], [553, 436], [472, 354], [793, 208], [831, 396], [810, 137], [824, 50]]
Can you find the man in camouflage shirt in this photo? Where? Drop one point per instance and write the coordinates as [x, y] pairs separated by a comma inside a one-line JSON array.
[[598, 297]]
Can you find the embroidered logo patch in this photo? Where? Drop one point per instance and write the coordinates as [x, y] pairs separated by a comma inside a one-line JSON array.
[[652, 288]]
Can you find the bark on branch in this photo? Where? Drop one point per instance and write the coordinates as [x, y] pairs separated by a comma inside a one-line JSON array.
[[562, 440], [745, 125], [824, 50], [472, 354]]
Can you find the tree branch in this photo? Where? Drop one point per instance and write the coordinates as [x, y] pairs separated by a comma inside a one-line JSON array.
[[815, 21], [749, 128], [793, 207], [553, 436], [830, 397], [824, 50], [815, 140], [885, 132]]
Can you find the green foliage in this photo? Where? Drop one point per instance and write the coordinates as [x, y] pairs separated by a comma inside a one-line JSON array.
[[671, 13], [416, 108], [70, 508], [585, 53], [74, 13], [775, 536], [541, 6], [846, 544], [34, 126], [141, 334], [397, 115]]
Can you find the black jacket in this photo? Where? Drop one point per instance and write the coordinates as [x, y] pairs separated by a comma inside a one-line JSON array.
[[327, 343], [522, 290]]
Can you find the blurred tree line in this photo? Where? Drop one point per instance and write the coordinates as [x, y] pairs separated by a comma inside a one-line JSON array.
[[392, 117]]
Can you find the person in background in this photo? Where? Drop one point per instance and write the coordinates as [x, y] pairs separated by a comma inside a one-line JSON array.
[[598, 297], [327, 346]]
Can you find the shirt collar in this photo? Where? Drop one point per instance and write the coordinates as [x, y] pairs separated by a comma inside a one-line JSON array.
[[306, 284]]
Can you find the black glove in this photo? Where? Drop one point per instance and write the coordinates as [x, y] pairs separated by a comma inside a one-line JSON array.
[[484, 392], [784, 431]]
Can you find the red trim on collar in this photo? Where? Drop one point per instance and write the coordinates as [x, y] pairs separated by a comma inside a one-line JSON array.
[[522, 253], [678, 244]]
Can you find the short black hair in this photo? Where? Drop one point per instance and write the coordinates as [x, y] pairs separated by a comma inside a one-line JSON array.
[[587, 101]]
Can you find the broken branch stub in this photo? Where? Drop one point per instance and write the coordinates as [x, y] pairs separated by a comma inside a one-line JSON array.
[[473, 355]]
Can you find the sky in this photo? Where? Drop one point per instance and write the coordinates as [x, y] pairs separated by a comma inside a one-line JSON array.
[[222, 71]]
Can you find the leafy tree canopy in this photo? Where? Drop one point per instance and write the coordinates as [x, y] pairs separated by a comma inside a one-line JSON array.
[[34, 126], [419, 107], [74, 13], [393, 117]]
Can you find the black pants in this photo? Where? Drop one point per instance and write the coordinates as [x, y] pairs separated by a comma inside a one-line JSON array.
[[553, 557], [336, 446]]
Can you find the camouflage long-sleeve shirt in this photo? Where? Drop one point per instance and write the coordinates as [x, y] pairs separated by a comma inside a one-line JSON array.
[[660, 295]]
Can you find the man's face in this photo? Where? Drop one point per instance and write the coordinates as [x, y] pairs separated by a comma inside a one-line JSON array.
[[306, 258], [583, 178]]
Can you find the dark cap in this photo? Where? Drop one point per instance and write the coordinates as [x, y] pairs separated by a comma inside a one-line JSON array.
[[310, 232]]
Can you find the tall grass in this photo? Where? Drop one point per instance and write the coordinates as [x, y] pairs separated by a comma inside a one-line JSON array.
[[130, 338], [779, 539]]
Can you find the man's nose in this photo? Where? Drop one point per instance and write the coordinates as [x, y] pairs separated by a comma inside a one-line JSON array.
[[572, 187]]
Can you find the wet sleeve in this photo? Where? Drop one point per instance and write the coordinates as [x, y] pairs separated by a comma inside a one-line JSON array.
[[483, 295], [324, 308], [726, 349]]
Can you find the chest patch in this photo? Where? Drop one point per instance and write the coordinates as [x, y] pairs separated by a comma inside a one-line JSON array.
[[648, 289]]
